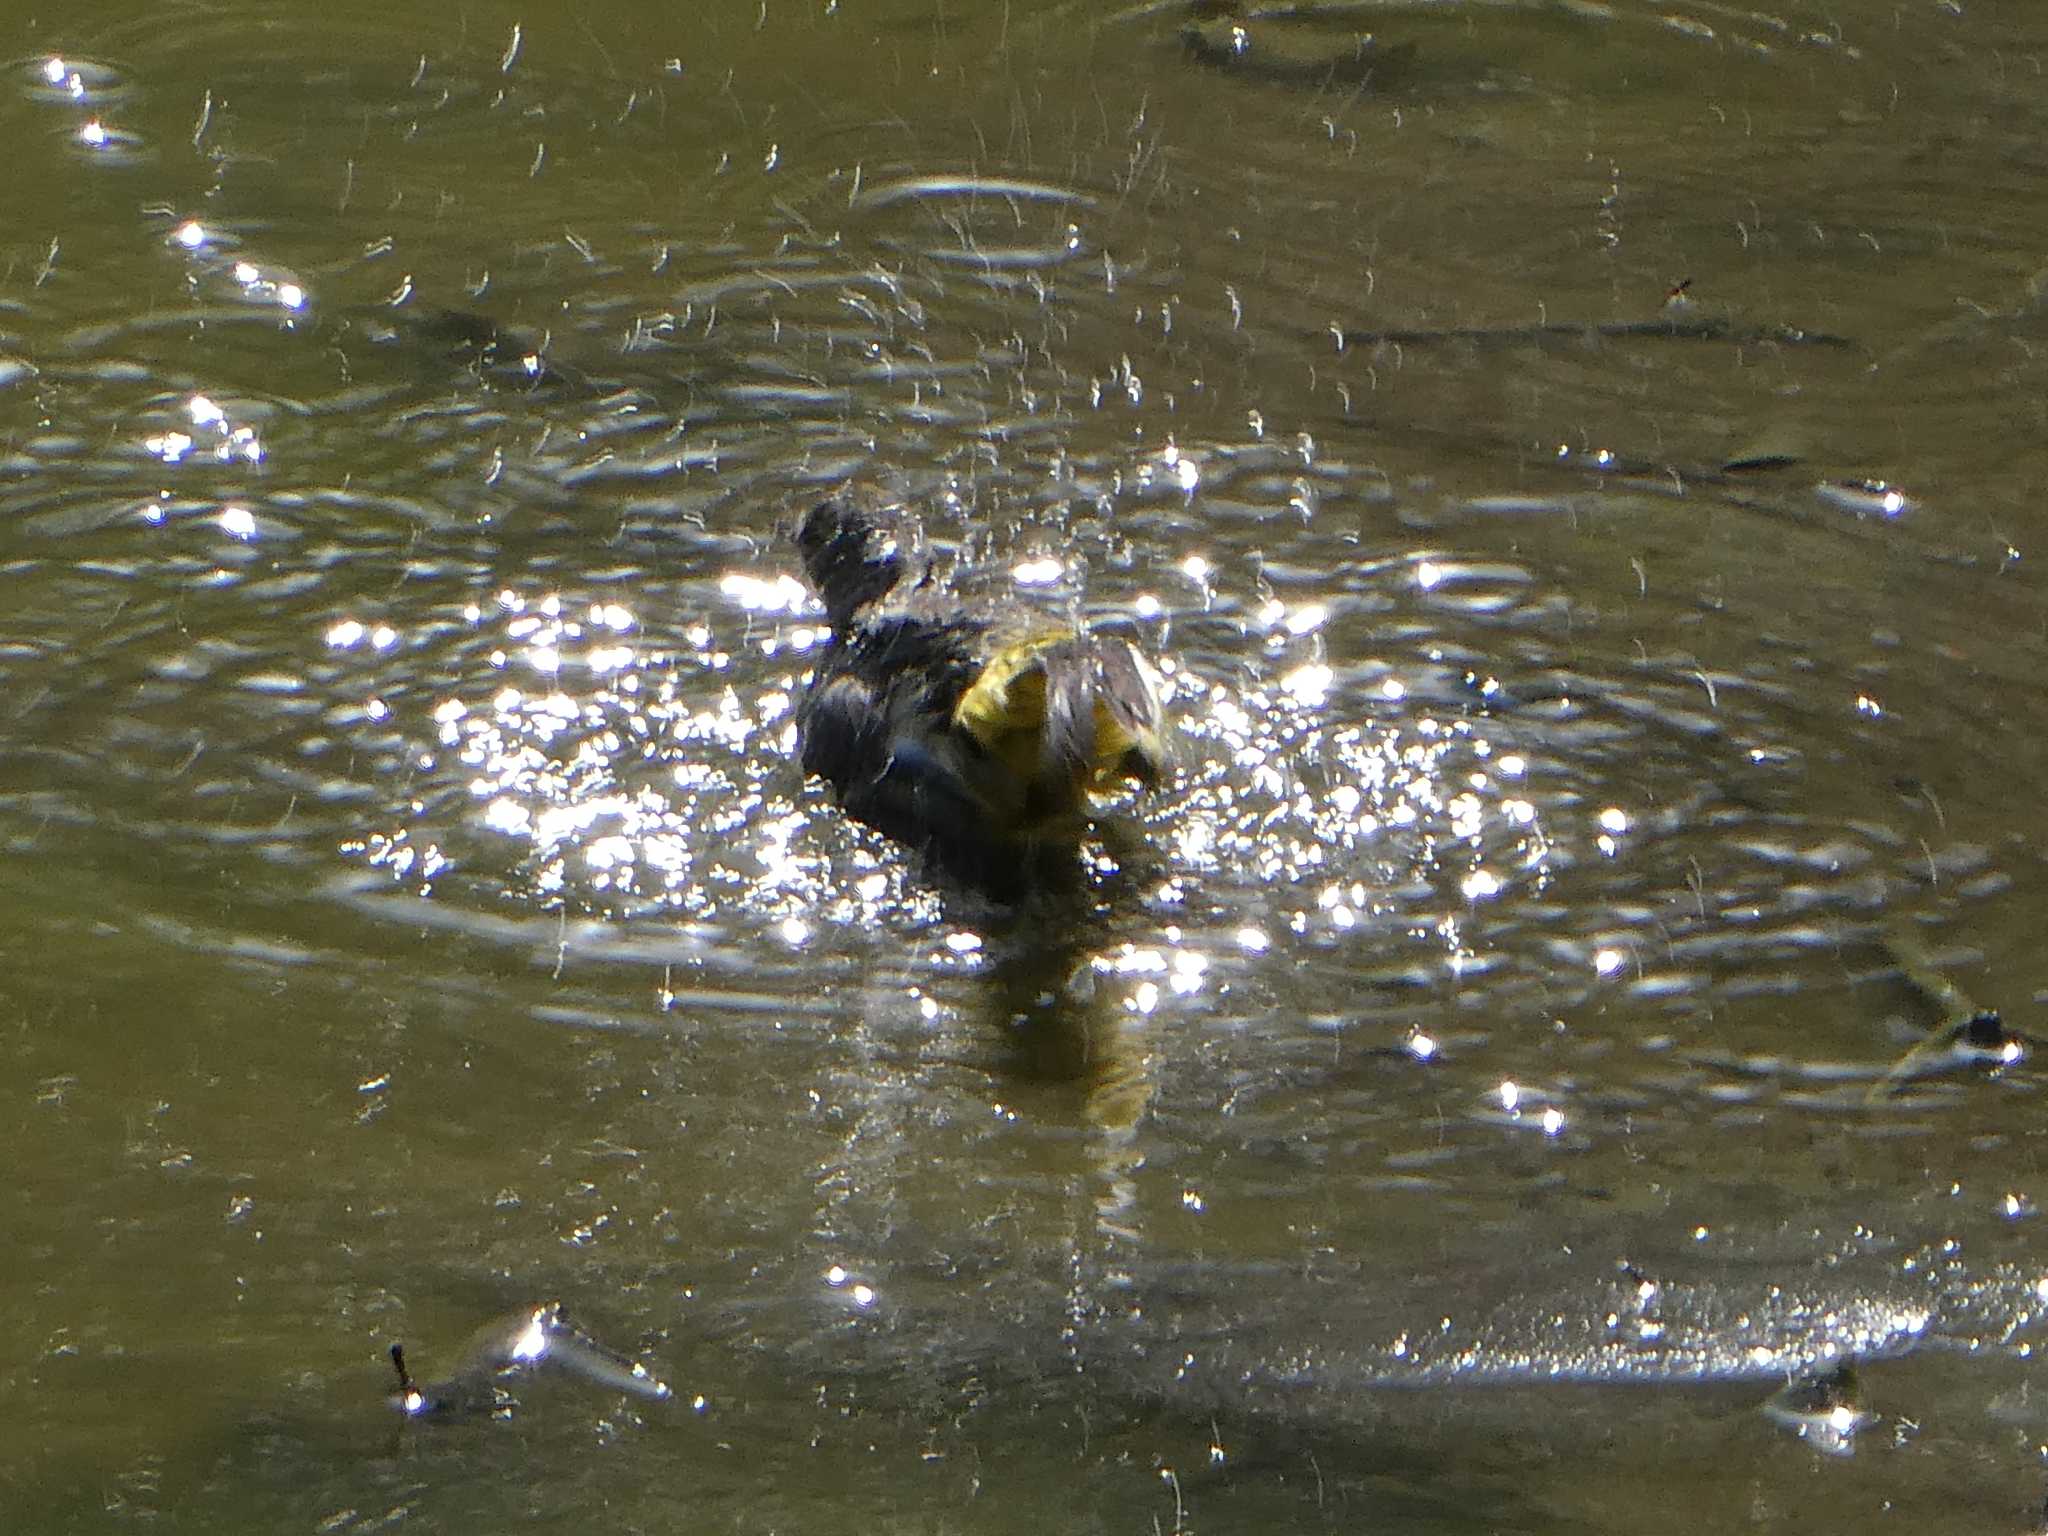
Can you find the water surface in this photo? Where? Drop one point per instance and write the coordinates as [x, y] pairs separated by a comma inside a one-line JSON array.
[[1451, 1105]]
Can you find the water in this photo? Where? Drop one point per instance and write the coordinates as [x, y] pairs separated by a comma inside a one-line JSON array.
[[1457, 1113]]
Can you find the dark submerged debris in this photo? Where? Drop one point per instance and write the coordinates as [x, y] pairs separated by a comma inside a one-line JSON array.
[[1822, 1409], [1294, 45], [504, 354], [529, 1340], [1964, 1035]]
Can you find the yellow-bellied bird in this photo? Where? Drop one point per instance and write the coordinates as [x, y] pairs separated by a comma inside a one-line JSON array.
[[975, 734]]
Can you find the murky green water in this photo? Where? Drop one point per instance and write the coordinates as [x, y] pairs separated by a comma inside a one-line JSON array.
[[1456, 1113]]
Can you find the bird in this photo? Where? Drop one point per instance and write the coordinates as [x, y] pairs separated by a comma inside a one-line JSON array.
[[977, 734]]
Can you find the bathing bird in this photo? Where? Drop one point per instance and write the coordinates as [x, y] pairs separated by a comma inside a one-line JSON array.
[[978, 734]]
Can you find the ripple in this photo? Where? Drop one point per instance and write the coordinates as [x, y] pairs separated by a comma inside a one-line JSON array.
[[997, 189], [71, 80]]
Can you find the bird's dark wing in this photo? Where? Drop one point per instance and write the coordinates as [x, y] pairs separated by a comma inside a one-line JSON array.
[[913, 784]]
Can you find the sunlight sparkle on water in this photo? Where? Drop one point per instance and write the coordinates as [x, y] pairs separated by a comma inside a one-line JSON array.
[[1607, 962], [229, 443], [1481, 884], [1380, 791], [1310, 684], [263, 288], [1305, 619], [1130, 960], [781, 593], [566, 768], [1182, 469], [1864, 498], [1468, 816], [607, 853], [533, 1339], [863, 1295], [1613, 822]]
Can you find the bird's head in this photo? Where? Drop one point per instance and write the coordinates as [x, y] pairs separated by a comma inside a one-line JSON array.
[[852, 553]]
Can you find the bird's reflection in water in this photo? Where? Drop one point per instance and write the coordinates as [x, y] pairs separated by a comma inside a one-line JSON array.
[[1063, 1022]]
